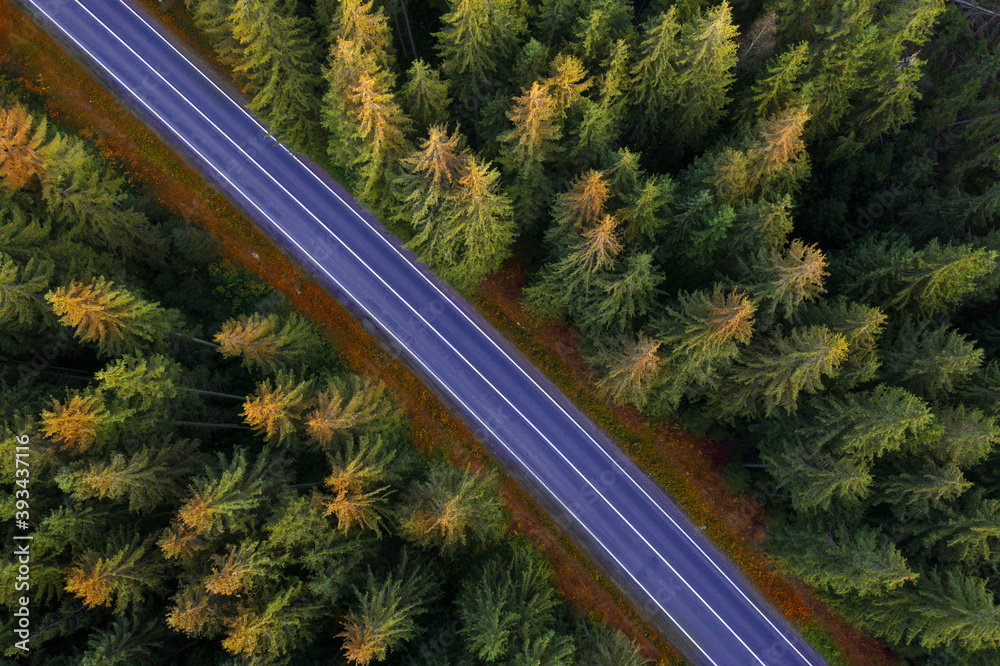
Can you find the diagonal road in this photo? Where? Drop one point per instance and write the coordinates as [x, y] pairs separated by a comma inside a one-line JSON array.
[[678, 580]]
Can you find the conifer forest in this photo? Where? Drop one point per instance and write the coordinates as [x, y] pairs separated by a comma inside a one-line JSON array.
[[774, 222]]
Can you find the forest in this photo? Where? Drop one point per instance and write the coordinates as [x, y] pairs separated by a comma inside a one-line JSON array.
[[775, 222], [207, 482]]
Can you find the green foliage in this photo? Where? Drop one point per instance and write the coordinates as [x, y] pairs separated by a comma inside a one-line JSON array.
[[844, 560], [451, 508]]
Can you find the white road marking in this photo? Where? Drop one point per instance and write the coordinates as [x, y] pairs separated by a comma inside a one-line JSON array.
[[431, 327], [423, 276], [448, 299]]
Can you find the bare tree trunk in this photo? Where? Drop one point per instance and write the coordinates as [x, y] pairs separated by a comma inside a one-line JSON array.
[[200, 424], [409, 31], [214, 393]]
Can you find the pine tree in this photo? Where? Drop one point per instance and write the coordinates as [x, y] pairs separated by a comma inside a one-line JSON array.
[[869, 424], [844, 560], [77, 423], [212, 18], [91, 203], [914, 494], [275, 409], [268, 343], [622, 299], [147, 478], [127, 641], [141, 383], [708, 56], [816, 479], [478, 38], [931, 361], [605, 646], [386, 612], [452, 508], [779, 87], [361, 471], [347, 405], [220, 501], [425, 95], [21, 136], [240, 569], [21, 289], [969, 436], [123, 576], [655, 71], [860, 324], [940, 277], [795, 275], [772, 373], [481, 224], [113, 318], [633, 367], [272, 629], [943, 608], [532, 142], [507, 607], [701, 333], [278, 61]]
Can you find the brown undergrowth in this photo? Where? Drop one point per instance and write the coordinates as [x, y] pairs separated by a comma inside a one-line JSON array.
[[676, 458], [77, 102]]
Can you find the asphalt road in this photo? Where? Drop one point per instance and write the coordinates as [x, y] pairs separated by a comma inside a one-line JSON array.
[[630, 528]]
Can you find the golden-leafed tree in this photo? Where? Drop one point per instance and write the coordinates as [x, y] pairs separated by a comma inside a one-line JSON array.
[[352, 404], [568, 83], [123, 576], [358, 478], [451, 508], [78, 422], [20, 139], [794, 275], [268, 342], [195, 612], [632, 368], [582, 206], [275, 409], [239, 570], [270, 630], [601, 244], [112, 317]]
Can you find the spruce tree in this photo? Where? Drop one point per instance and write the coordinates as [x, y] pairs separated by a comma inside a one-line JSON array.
[[479, 37], [632, 368], [818, 480], [968, 436], [141, 383], [930, 361], [794, 275], [240, 570], [22, 288]]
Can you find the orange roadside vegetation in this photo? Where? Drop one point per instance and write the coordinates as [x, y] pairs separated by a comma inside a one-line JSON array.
[[676, 458]]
